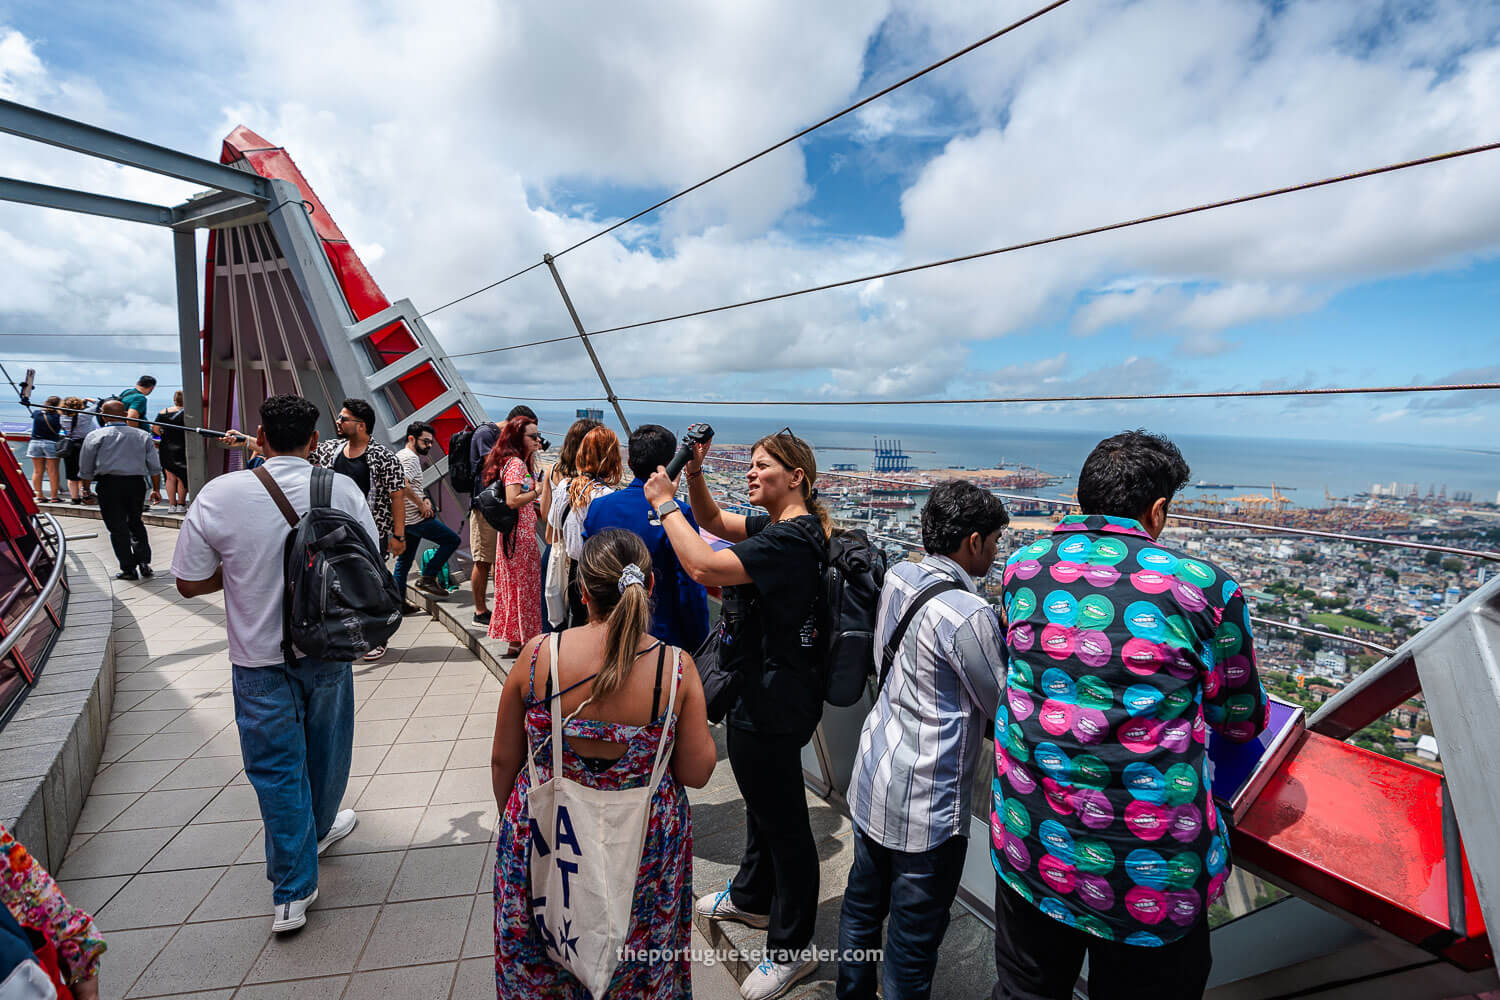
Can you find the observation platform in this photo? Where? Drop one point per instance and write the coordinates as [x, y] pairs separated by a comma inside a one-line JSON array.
[[168, 851]]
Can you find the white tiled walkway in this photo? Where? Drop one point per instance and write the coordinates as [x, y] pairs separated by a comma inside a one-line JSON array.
[[168, 853]]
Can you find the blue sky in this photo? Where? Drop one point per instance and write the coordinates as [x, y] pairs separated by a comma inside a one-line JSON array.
[[452, 148]]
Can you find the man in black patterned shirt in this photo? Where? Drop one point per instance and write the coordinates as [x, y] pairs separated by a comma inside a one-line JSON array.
[[375, 469]]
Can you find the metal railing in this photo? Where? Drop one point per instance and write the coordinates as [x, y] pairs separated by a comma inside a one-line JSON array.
[[59, 557]]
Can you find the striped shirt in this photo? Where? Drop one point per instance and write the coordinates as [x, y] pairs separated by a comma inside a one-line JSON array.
[[921, 742]]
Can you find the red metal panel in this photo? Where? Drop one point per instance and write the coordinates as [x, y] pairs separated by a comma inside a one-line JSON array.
[[363, 295], [1365, 834]]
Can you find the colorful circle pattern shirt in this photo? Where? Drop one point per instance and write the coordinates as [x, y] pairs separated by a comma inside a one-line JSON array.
[[1122, 653]]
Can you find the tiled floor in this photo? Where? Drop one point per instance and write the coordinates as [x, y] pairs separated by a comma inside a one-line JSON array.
[[168, 853]]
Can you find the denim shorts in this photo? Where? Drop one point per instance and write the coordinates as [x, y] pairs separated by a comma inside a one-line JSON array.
[[41, 449]]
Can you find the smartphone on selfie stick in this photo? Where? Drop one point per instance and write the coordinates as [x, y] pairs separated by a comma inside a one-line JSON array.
[[696, 434]]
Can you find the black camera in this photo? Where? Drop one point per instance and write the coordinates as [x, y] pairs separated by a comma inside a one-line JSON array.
[[542, 444], [696, 434]]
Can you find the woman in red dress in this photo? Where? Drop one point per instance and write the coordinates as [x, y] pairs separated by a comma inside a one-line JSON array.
[[518, 564]]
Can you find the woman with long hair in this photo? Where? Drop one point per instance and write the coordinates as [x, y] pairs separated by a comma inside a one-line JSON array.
[[518, 565], [75, 427], [46, 431], [597, 473], [562, 470], [773, 575], [614, 690], [173, 453]]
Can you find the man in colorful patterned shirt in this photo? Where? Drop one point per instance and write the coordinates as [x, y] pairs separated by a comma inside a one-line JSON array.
[[1104, 835]]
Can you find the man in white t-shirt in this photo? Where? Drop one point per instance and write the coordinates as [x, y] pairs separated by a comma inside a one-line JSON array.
[[422, 524], [296, 720]]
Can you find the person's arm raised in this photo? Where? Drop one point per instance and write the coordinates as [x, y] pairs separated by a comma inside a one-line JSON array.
[[698, 558], [712, 518]]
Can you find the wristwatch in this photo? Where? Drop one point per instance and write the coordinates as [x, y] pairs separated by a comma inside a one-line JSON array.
[[665, 509]]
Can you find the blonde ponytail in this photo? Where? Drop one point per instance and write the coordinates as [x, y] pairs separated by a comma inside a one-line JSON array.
[[614, 570]]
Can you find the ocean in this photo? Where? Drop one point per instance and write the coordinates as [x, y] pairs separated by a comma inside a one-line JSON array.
[[1300, 468]]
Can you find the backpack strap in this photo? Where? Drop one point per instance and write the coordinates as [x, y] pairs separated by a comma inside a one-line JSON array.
[[282, 503], [320, 489], [888, 656]]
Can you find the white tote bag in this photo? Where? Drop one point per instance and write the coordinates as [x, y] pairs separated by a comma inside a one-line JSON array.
[[585, 854], [557, 585]]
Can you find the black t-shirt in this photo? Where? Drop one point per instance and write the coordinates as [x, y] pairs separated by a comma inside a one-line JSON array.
[[357, 469], [782, 692], [173, 437]]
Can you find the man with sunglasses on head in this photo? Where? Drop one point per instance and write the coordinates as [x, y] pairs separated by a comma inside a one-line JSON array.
[[377, 472]]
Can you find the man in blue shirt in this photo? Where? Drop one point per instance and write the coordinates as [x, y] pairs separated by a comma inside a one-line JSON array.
[[680, 614]]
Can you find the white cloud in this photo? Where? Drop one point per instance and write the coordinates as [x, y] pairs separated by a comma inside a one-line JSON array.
[[450, 141]]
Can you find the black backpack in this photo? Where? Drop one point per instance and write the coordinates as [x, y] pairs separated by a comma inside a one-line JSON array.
[[500, 515], [460, 469], [340, 600], [852, 580]]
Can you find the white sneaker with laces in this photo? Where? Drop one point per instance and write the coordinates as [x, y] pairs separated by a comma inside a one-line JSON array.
[[772, 979], [343, 824], [290, 916], [719, 906], [375, 653]]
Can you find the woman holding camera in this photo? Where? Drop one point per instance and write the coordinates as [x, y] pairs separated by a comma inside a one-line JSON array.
[[773, 572]]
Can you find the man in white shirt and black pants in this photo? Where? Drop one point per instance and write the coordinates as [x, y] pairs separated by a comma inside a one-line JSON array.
[[295, 719]]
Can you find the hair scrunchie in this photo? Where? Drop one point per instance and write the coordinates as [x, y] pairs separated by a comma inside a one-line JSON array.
[[632, 575]]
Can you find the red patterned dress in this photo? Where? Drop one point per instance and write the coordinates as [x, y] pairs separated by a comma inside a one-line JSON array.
[[662, 910], [518, 577]]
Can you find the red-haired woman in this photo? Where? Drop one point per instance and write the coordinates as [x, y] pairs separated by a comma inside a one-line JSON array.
[[518, 565], [596, 474]]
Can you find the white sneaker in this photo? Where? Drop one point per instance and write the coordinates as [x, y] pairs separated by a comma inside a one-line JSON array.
[[772, 979], [720, 907], [343, 825], [290, 916], [375, 653]]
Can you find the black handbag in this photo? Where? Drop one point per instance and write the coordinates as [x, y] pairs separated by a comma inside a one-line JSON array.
[[720, 686], [722, 657]]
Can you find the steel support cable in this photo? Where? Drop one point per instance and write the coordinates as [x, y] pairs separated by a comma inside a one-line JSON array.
[[1044, 241], [1257, 619], [477, 291], [90, 361], [772, 148], [1220, 521], [1218, 394], [101, 333], [1108, 397]]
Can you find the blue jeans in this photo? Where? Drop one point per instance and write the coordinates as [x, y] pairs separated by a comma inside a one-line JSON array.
[[296, 724], [916, 892], [432, 530]]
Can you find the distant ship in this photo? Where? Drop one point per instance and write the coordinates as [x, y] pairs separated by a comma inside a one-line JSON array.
[[1213, 486]]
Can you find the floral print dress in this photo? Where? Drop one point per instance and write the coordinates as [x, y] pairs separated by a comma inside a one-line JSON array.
[[518, 576], [36, 902], [661, 914]]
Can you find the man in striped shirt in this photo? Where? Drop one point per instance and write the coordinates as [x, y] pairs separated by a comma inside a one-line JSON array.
[[910, 794]]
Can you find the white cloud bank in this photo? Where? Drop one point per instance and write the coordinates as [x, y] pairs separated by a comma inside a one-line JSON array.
[[437, 134]]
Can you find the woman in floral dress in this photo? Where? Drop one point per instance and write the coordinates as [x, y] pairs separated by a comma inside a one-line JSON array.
[[612, 675], [36, 902], [518, 565]]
